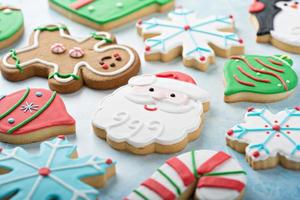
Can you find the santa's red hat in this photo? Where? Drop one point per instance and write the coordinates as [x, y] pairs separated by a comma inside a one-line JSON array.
[[172, 80]]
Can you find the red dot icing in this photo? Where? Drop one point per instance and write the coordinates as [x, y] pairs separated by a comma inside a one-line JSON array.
[[62, 137], [202, 58], [276, 127], [108, 161], [230, 132], [45, 171], [297, 108], [148, 48], [250, 109], [256, 154], [187, 27]]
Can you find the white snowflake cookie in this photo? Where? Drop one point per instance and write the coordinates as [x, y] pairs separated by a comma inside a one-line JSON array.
[[197, 40], [268, 139]]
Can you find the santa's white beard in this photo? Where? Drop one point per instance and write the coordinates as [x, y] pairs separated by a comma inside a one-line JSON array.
[[128, 121]]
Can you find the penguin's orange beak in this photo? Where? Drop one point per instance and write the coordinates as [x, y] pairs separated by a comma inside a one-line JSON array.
[[295, 6]]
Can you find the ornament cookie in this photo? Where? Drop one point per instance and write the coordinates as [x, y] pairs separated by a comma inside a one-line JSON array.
[[106, 15], [268, 139], [140, 116], [11, 25], [69, 63], [56, 172], [256, 78], [196, 40], [277, 22], [33, 115], [204, 174]]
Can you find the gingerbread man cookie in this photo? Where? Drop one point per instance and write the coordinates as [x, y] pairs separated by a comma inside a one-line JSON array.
[[69, 63]]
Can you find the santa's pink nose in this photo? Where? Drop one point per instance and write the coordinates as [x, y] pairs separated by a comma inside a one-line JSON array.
[[295, 5]]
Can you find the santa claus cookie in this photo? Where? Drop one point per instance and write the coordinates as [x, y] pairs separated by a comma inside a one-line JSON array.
[[197, 40], [277, 22], [11, 25], [153, 113], [268, 139], [259, 78], [204, 174], [105, 15], [33, 115], [55, 173], [69, 63]]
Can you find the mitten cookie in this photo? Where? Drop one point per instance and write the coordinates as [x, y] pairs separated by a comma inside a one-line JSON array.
[[69, 63], [268, 139], [197, 40], [277, 22], [204, 174], [33, 115], [153, 113], [259, 78], [11, 25], [54, 173], [106, 15]]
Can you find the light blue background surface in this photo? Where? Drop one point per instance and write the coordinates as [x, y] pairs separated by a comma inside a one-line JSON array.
[[275, 184]]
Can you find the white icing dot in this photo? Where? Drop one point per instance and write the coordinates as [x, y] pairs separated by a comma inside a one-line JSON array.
[[7, 11], [287, 81], [262, 68], [91, 8], [236, 60], [119, 4], [258, 73], [279, 85]]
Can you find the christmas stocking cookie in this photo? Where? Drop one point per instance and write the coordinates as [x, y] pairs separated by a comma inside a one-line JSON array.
[[259, 78], [268, 139], [277, 22], [33, 115], [69, 63], [197, 40], [11, 25], [204, 174], [153, 113], [106, 15], [55, 173]]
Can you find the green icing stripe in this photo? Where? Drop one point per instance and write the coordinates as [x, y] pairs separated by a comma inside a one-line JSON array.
[[16, 58], [16, 105], [171, 181], [64, 76], [50, 28], [225, 173], [35, 115], [98, 37], [194, 165], [140, 194]]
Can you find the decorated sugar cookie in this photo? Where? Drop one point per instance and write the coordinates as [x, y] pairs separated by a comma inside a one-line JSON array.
[[196, 40], [33, 115], [268, 139], [140, 117], [55, 172], [278, 22], [259, 78], [11, 25], [69, 63], [106, 15], [202, 174]]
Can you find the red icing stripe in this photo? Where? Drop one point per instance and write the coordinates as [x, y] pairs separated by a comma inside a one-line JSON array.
[[275, 62], [213, 162], [219, 182], [243, 82], [80, 3], [253, 77], [182, 170], [268, 66], [159, 189]]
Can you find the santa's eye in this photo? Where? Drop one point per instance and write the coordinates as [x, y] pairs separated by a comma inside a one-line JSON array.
[[285, 4], [296, 2], [151, 89], [172, 95]]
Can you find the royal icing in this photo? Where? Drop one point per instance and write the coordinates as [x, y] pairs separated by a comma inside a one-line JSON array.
[[269, 135], [101, 46], [29, 110], [215, 175], [54, 172], [259, 74], [185, 30], [144, 111]]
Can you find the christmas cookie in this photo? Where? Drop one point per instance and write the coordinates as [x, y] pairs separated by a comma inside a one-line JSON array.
[[204, 174], [69, 63], [268, 139], [196, 40], [33, 115], [11, 25], [55, 173], [140, 116], [277, 22], [259, 78], [105, 15]]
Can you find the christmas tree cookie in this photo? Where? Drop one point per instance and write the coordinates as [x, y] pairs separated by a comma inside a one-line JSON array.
[[11, 25], [55, 173], [202, 174], [106, 15], [259, 78], [33, 115], [268, 139]]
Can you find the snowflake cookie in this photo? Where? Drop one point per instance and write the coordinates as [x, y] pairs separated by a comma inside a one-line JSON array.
[[54, 173], [204, 174], [268, 139], [197, 40]]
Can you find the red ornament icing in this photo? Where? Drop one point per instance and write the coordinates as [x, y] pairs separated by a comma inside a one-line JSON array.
[[256, 7], [45, 171]]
